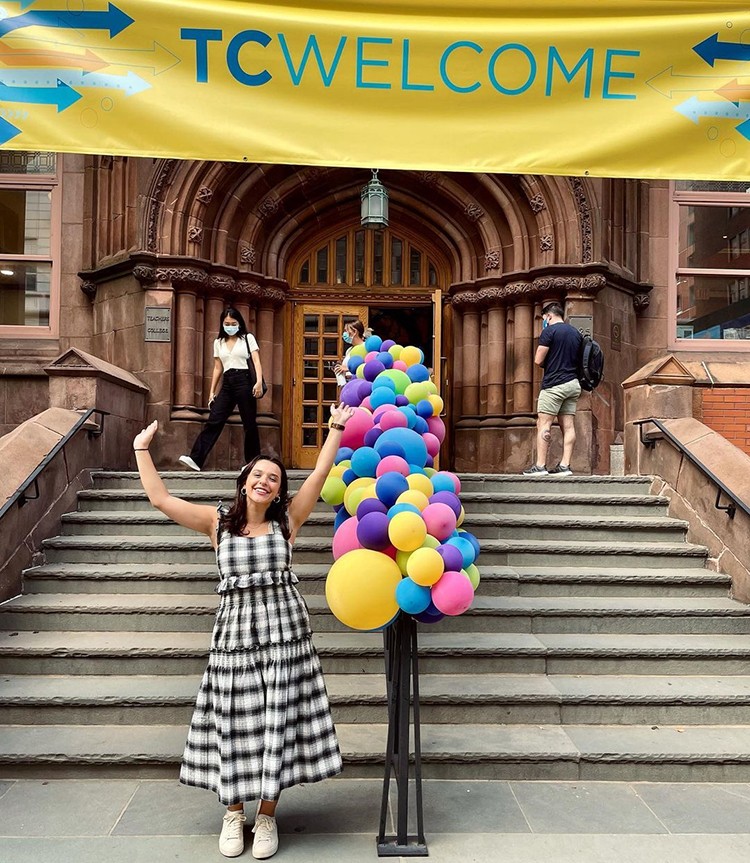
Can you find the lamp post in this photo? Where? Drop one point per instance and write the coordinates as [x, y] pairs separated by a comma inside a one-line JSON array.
[[374, 210]]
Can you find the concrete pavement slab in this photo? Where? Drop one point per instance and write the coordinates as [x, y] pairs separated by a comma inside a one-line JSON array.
[[688, 808]]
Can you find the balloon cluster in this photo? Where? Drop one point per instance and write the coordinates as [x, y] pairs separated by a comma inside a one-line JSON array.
[[398, 544]]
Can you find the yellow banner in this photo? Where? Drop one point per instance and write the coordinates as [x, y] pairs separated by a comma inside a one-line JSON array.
[[637, 88]]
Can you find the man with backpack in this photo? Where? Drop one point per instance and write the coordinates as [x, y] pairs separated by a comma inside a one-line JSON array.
[[559, 354]]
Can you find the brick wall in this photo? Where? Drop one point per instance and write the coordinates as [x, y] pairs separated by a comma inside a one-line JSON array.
[[727, 411]]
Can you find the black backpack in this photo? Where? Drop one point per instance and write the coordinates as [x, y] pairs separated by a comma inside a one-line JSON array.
[[590, 364]]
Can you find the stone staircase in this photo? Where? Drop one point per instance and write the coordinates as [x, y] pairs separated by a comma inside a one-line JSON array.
[[598, 646]]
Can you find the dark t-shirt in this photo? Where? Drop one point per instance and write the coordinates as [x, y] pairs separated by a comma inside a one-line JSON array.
[[561, 364]]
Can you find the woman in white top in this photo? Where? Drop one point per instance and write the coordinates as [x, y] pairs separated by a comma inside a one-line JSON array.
[[354, 334], [237, 360]]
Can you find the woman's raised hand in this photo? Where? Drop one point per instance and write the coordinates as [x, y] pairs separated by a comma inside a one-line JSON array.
[[144, 437], [341, 413]]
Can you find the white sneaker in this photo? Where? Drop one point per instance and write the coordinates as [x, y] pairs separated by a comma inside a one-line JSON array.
[[232, 839], [266, 841], [186, 460]]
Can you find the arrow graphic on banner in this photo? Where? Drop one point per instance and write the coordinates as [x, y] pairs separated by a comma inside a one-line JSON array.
[[62, 95], [26, 57], [712, 50], [7, 131], [695, 109], [35, 78], [735, 92], [114, 20], [668, 82]]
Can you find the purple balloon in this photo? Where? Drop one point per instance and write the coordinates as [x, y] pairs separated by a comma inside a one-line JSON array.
[[401, 401], [372, 369], [387, 344], [372, 531], [364, 389], [448, 498], [372, 435], [452, 557], [350, 393], [430, 615], [368, 505]]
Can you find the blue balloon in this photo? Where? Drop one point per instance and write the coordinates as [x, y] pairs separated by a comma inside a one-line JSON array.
[[415, 468], [373, 343], [411, 417], [385, 358], [418, 373], [464, 534], [424, 408], [341, 516], [343, 454], [412, 597], [402, 507], [382, 396], [389, 448], [420, 426], [414, 448], [349, 476], [465, 547], [389, 486], [430, 614], [365, 460], [354, 362], [382, 381]]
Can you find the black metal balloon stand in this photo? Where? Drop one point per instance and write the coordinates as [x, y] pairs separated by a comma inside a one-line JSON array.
[[402, 685]]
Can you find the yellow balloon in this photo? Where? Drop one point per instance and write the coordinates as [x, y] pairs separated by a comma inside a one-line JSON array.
[[354, 491], [395, 351], [358, 351], [407, 530], [431, 387], [420, 482], [402, 559], [411, 355], [416, 392], [333, 490], [430, 542], [430, 471], [414, 496], [361, 589], [425, 566], [360, 371], [336, 470], [461, 517], [437, 404]]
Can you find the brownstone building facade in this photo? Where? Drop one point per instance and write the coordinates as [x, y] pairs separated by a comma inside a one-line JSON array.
[[132, 260]]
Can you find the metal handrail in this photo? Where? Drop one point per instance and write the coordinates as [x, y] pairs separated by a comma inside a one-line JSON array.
[[730, 508], [20, 496]]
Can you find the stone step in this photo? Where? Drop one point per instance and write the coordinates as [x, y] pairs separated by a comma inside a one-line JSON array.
[[196, 549], [95, 653], [507, 483], [483, 525], [444, 698], [131, 612], [135, 500], [476, 751], [496, 580]]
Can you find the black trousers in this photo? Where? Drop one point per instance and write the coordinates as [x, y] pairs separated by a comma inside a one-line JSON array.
[[236, 390]]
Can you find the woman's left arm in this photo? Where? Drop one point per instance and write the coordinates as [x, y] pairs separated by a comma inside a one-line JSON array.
[[258, 388], [304, 501]]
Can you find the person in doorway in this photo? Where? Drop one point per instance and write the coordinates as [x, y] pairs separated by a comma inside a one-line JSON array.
[[262, 719], [237, 366], [557, 353], [354, 334]]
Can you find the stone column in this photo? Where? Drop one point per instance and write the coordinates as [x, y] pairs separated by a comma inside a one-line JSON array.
[[523, 375], [184, 380], [496, 361], [470, 357], [264, 336], [213, 306]]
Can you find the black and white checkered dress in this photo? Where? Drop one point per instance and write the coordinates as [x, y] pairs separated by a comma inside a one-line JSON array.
[[262, 721]]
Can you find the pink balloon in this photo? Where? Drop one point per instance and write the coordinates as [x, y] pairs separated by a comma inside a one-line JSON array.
[[393, 462], [345, 538], [453, 593], [391, 551], [373, 355], [366, 404], [392, 420], [382, 409], [440, 520], [431, 442], [436, 427], [354, 434], [400, 365]]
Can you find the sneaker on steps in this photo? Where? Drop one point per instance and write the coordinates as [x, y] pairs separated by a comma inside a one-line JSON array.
[[186, 460], [266, 840], [232, 840], [560, 470], [535, 470]]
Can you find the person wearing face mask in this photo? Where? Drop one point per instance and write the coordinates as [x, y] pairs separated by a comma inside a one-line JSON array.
[[237, 366], [354, 334], [262, 720]]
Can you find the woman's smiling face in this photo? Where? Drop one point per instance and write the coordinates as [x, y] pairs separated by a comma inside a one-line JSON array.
[[263, 483]]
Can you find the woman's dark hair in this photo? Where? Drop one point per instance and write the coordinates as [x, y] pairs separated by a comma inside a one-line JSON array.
[[235, 520], [358, 326], [231, 312]]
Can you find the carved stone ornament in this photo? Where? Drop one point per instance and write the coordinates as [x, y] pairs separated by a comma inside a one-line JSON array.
[[221, 283], [537, 203], [143, 273], [546, 243], [247, 255], [473, 211], [250, 289], [641, 302], [268, 207], [163, 179], [492, 260], [429, 178], [204, 195], [530, 290], [275, 296], [195, 234], [89, 288], [584, 219], [181, 275]]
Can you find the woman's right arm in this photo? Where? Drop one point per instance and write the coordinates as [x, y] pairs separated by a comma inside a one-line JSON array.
[[190, 515], [215, 378]]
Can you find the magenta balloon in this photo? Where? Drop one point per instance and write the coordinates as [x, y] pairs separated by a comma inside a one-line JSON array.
[[395, 463], [345, 538], [440, 520], [453, 594], [392, 420], [452, 557], [436, 427], [356, 429], [447, 497], [432, 443]]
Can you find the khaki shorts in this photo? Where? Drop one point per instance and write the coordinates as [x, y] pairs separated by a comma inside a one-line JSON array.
[[560, 399]]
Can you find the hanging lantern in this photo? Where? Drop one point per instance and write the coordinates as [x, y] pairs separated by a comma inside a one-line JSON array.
[[374, 210]]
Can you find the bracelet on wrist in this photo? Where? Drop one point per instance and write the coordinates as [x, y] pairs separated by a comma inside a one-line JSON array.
[[337, 426], [140, 449]]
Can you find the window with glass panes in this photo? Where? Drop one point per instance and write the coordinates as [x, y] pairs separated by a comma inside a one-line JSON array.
[[28, 186], [368, 258], [712, 271]]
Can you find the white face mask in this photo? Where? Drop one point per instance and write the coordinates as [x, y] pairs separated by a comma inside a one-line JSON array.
[[231, 329]]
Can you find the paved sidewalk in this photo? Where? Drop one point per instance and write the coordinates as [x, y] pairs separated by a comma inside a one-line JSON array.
[[149, 821]]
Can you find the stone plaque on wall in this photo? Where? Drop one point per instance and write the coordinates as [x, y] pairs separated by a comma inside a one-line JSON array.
[[616, 336], [583, 323], [158, 324]]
